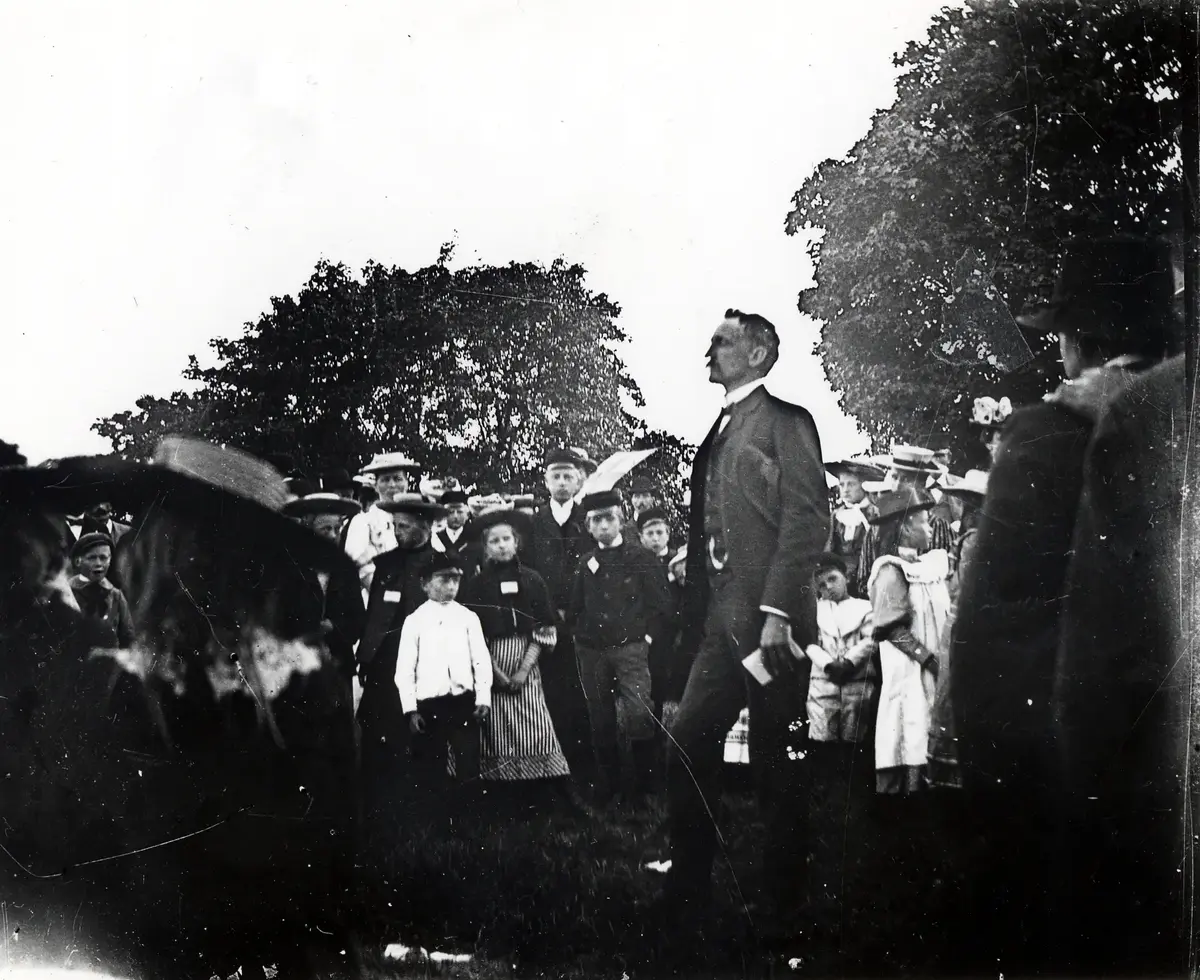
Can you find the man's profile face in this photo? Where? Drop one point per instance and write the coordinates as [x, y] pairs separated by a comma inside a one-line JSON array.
[[732, 359], [562, 480]]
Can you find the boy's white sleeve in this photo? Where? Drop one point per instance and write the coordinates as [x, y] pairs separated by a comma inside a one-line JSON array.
[[406, 666], [481, 662]]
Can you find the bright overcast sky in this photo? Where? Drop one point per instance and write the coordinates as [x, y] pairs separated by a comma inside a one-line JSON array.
[[168, 167]]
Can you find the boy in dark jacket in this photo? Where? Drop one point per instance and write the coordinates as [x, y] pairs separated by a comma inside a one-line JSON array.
[[620, 608]]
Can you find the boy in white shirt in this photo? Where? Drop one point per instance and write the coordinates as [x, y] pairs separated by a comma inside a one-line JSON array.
[[444, 676]]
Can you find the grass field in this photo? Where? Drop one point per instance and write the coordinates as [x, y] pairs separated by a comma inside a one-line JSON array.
[[530, 895]]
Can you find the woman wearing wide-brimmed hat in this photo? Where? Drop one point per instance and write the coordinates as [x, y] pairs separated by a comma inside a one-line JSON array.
[[989, 415], [910, 608], [513, 604], [849, 527], [915, 468], [219, 726], [343, 613], [370, 533]]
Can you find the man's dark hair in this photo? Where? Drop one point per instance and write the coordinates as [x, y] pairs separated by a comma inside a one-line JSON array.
[[761, 332]]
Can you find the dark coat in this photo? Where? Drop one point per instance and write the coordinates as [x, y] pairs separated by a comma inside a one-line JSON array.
[[1010, 599], [623, 600], [555, 551], [774, 515], [395, 592], [1122, 681], [341, 604]]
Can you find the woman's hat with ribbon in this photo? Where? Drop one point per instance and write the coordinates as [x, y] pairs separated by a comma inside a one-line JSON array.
[[388, 462], [414, 504], [311, 504], [973, 485], [862, 467]]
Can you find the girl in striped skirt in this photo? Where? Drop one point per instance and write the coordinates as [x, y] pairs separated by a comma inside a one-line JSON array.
[[513, 604]]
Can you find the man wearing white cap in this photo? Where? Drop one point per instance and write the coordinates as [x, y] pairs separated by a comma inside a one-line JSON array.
[[370, 533]]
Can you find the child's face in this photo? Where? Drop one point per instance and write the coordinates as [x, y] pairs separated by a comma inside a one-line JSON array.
[[501, 544], [831, 585], [456, 516], [443, 586], [916, 532], [562, 480], [850, 488], [93, 564], [605, 525], [655, 537]]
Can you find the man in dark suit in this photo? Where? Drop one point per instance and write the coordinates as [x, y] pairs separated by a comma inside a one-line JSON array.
[[559, 542], [1123, 683], [395, 593], [1112, 311], [456, 536], [759, 519]]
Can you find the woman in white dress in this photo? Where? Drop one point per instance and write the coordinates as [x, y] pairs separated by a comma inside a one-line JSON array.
[[910, 609]]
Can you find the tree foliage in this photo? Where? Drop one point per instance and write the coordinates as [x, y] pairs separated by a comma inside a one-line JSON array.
[[1016, 126], [474, 372]]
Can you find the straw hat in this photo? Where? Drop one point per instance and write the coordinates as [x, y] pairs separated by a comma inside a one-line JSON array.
[[312, 504], [386, 462], [413, 503], [974, 484], [865, 469]]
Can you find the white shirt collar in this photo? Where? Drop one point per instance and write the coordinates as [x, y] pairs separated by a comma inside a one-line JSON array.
[[453, 534], [616, 544], [561, 512], [745, 391]]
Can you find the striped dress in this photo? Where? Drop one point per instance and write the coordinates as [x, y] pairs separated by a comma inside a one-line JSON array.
[[513, 605], [519, 741]]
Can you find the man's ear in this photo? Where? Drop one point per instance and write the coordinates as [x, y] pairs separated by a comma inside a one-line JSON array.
[[758, 357]]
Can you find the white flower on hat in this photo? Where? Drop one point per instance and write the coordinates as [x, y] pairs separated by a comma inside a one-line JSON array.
[[988, 411]]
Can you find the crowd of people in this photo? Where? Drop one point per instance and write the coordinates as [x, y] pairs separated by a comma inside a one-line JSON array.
[[1005, 640]]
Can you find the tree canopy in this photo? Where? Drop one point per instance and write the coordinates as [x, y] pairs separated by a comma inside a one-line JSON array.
[[474, 372], [1016, 126]]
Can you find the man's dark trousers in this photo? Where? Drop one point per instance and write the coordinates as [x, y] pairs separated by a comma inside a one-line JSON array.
[[717, 690]]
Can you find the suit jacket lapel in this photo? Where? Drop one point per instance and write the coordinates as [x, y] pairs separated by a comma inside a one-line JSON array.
[[739, 417]]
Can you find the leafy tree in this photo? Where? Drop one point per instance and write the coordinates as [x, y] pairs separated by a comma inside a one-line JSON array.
[[1016, 126], [473, 372]]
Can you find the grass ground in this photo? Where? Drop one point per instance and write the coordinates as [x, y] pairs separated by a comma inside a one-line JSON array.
[[535, 895]]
